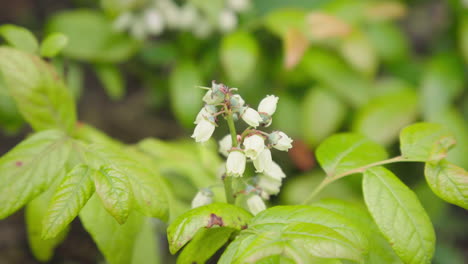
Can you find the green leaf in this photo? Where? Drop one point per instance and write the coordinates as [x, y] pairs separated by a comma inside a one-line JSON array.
[[379, 248], [281, 21], [113, 187], [322, 114], [389, 41], [425, 142], [91, 37], [204, 244], [19, 38], [147, 190], [452, 119], [30, 167], [442, 82], [300, 242], [146, 248], [358, 51], [448, 181], [116, 242], [215, 215], [239, 55], [346, 151], [42, 250], [313, 215], [53, 44], [40, 95], [333, 73], [382, 118], [399, 216], [111, 78], [71, 195], [186, 98], [463, 36]]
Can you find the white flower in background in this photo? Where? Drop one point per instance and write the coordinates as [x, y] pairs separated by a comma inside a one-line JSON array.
[[255, 204], [227, 20], [253, 145], [251, 117], [138, 29], [225, 144], [238, 5], [268, 105], [188, 16], [274, 171], [203, 197], [154, 21], [263, 161], [203, 131], [268, 185], [235, 164], [280, 141], [123, 22], [202, 28]]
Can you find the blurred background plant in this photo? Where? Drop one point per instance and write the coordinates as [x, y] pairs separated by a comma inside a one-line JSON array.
[[371, 67]]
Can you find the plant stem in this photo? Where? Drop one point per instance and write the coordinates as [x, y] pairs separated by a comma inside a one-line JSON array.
[[331, 178], [228, 179], [232, 127], [228, 189]]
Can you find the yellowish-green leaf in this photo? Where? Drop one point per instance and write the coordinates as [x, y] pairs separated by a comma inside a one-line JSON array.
[[425, 142], [113, 187], [71, 195], [448, 181], [19, 38], [29, 169], [399, 216]]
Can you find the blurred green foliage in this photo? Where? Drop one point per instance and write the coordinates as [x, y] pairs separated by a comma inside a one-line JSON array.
[[371, 67]]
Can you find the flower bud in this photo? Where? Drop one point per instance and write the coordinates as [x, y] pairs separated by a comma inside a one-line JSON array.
[[268, 105], [207, 113], [255, 204], [280, 141], [251, 117], [266, 119], [274, 171], [216, 95], [235, 164], [203, 197], [203, 131], [237, 101], [263, 161], [225, 144], [253, 146]]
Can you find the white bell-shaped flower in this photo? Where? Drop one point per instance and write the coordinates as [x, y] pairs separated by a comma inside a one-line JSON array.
[[253, 145], [154, 21], [255, 204], [280, 141], [268, 105], [203, 131], [263, 161], [269, 185], [227, 20], [225, 144], [235, 164], [203, 197], [237, 101], [251, 117], [274, 171]]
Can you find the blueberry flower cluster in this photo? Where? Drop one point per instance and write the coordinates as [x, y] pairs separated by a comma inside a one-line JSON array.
[[252, 145], [151, 17]]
